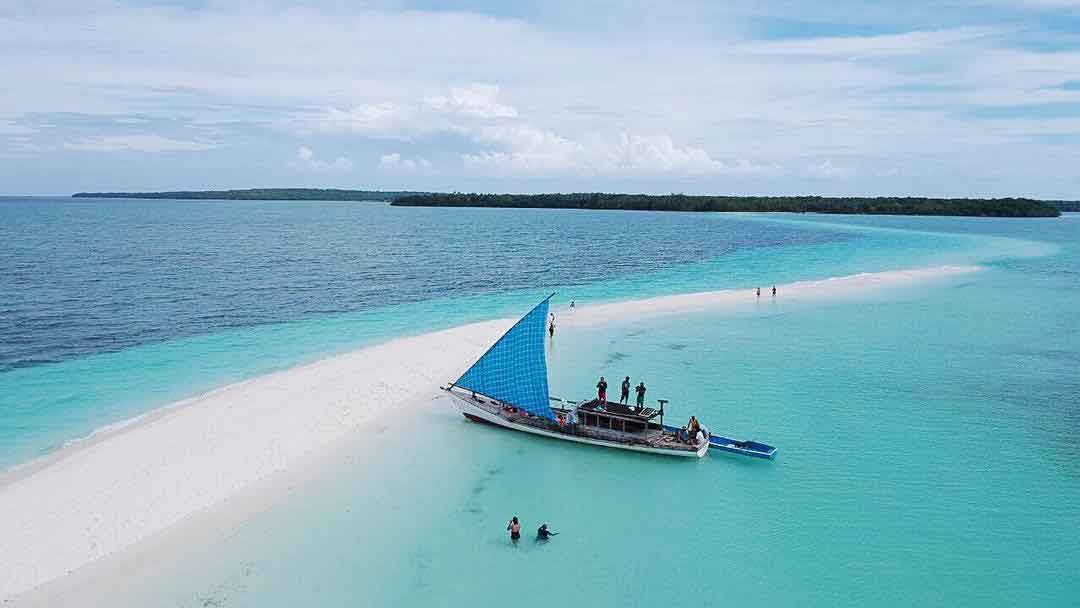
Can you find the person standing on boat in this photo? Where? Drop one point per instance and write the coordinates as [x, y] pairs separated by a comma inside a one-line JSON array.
[[601, 390], [640, 395], [515, 529], [624, 394]]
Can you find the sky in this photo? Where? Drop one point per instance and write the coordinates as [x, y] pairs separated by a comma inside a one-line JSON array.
[[769, 97]]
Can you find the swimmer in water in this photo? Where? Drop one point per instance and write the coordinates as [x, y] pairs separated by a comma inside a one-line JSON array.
[[543, 533]]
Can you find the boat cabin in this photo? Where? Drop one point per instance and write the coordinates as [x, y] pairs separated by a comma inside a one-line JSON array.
[[618, 417]]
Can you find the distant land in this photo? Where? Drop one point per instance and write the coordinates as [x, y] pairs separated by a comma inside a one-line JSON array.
[[975, 207], [260, 194]]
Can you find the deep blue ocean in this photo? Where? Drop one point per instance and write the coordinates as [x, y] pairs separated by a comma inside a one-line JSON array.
[[928, 436]]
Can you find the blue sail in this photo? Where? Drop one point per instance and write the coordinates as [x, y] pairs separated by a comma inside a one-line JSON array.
[[514, 369]]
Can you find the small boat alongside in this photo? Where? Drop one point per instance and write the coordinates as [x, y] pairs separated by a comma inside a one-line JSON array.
[[507, 387]]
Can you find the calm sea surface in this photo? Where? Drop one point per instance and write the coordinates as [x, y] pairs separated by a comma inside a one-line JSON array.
[[928, 436]]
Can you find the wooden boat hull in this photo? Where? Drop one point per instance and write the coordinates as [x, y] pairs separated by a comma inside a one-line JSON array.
[[478, 414]]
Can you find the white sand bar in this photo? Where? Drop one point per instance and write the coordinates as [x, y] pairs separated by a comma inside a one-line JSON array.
[[100, 496]]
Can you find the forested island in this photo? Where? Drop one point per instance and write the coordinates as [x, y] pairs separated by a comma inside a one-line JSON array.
[[977, 207], [260, 194]]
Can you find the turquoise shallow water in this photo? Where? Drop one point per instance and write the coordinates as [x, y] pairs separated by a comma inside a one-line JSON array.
[[928, 443]]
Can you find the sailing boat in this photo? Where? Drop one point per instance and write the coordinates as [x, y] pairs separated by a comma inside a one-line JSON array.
[[508, 387]]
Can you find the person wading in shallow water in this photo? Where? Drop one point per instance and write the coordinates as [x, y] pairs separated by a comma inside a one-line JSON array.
[[515, 529], [542, 533]]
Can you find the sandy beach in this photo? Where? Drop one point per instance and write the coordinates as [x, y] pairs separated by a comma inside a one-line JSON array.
[[105, 495]]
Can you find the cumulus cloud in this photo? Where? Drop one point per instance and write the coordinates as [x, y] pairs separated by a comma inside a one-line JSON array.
[[477, 100], [305, 161], [526, 150], [828, 170], [396, 163], [369, 119], [457, 111], [138, 143]]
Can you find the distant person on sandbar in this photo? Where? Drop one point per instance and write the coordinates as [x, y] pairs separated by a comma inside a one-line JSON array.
[[571, 306], [551, 328], [624, 394], [601, 390], [515, 529], [759, 292], [774, 290], [640, 395]]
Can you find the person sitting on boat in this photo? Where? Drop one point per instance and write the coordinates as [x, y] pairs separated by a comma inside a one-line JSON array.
[[542, 533], [640, 395], [515, 529], [683, 434], [624, 394], [699, 438], [601, 390]]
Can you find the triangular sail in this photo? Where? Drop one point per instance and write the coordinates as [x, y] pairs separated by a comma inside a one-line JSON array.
[[514, 369]]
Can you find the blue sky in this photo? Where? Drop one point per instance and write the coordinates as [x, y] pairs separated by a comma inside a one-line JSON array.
[[960, 98]]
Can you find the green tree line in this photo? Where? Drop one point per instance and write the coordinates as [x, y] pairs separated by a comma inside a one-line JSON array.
[[978, 207]]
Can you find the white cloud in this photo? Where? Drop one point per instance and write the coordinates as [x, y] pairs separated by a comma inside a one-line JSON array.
[[477, 100], [828, 170], [404, 118], [396, 163], [907, 43], [525, 150], [305, 161], [370, 119], [689, 95], [138, 143]]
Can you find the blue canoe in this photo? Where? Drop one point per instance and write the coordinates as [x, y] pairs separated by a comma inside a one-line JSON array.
[[746, 448]]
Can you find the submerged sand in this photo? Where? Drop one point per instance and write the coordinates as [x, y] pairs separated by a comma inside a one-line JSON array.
[[120, 487]]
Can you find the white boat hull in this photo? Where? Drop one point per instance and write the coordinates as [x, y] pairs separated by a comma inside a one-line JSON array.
[[473, 411]]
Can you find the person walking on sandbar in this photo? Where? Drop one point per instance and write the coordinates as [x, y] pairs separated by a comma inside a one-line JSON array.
[[774, 290], [624, 394]]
